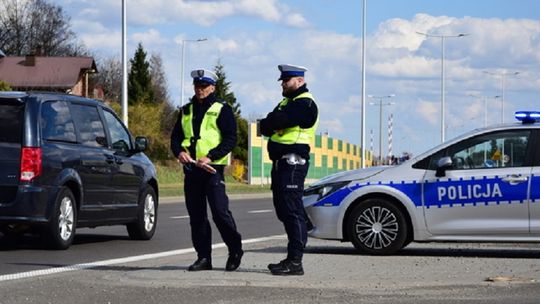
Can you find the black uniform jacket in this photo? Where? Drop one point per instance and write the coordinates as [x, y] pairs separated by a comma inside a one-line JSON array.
[[301, 112], [225, 122]]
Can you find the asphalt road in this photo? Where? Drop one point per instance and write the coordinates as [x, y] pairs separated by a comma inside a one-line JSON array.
[[254, 216], [120, 272]]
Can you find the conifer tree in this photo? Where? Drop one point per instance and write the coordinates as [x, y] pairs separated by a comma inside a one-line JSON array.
[[223, 93], [140, 88]]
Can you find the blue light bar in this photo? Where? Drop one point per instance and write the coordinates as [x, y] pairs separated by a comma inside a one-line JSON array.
[[527, 117]]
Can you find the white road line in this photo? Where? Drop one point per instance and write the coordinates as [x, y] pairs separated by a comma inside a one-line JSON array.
[[180, 217], [49, 271], [261, 211]]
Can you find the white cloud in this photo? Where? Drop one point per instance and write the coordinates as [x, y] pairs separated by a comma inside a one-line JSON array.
[[428, 111], [207, 13], [296, 20], [151, 37]]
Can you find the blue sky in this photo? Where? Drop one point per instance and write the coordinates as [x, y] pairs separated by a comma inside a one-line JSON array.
[[251, 37]]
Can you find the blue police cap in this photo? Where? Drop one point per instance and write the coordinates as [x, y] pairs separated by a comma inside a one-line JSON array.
[[289, 70], [204, 76]]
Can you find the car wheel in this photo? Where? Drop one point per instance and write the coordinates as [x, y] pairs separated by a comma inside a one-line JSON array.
[[145, 225], [61, 228], [377, 226]]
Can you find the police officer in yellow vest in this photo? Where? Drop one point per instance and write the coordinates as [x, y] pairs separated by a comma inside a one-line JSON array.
[[202, 138], [291, 127]]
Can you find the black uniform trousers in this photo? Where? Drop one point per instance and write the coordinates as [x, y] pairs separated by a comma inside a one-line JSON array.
[[201, 187], [287, 190]]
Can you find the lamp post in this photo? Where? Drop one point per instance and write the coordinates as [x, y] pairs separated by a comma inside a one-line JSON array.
[[443, 37], [183, 63], [363, 102], [381, 104], [503, 78]]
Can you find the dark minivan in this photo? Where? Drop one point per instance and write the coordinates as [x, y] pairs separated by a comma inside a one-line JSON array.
[[68, 162]]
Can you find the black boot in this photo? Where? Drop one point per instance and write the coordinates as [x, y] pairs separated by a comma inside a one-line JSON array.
[[287, 267], [201, 264], [234, 260]]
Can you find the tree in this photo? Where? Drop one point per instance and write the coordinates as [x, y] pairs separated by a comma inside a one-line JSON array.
[[37, 27], [110, 78], [223, 93], [140, 87], [4, 86], [159, 81]]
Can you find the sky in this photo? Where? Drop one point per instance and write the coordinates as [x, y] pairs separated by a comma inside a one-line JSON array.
[[251, 37]]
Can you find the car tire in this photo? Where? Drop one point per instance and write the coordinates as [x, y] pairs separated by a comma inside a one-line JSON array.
[[145, 225], [61, 228], [378, 227]]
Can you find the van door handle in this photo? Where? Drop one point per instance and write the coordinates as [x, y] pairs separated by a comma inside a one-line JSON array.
[[109, 158], [118, 160], [515, 179]]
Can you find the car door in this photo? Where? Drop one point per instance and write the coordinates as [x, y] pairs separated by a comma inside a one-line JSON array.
[[127, 179], [485, 190], [534, 194], [97, 163]]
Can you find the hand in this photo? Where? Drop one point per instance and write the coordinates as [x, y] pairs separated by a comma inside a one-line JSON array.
[[204, 163], [184, 158]]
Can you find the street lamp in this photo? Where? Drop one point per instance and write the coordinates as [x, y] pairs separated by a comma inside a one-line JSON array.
[[381, 104], [363, 101], [183, 61], [503, 77], [443, 37]]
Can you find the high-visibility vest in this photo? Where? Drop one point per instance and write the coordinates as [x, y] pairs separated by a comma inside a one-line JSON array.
[[209, 135], [295, 135]]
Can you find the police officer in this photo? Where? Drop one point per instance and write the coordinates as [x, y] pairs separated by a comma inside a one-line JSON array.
[[291, 127], [202, 138]]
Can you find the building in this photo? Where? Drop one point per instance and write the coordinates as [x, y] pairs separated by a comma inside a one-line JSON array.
[[57, 74]]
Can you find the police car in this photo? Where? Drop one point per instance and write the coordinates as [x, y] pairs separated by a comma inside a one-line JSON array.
[[481, 186]]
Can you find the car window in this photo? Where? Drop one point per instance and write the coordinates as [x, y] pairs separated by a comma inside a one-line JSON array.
[[56, 122], [11, 120], [120, 138], [89, 124], [495, 150]]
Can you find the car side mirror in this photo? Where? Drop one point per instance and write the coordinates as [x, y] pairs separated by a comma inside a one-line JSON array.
[[443, 164], [141, 143]]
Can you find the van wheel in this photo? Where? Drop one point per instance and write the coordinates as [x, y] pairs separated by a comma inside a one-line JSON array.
[[145, 225], [61, 228], [378, 227]]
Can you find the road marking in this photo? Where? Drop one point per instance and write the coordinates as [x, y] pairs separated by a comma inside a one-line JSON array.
[[180, 217], [261, 211], [49, 271]]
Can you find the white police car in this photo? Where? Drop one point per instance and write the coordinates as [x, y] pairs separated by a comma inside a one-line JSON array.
[[481, 186]]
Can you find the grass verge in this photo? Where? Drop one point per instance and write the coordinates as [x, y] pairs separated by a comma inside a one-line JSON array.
[[171, 183]]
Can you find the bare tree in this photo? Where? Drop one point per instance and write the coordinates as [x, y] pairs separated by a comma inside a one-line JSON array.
[[110, 78], [159, 81], [36, 26]]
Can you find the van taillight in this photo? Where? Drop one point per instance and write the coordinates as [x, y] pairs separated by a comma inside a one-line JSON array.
[[30, 163]]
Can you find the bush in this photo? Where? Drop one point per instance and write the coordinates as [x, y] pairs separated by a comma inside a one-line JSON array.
[[145, 119]]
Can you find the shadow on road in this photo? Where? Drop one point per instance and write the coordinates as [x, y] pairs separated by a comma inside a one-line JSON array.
[[481, 252]]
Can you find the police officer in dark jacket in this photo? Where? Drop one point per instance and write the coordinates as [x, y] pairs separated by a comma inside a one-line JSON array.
[[202, 138], [291, 127]]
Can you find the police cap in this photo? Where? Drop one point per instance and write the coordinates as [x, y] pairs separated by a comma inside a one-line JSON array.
[[289, 70], [204, 76]]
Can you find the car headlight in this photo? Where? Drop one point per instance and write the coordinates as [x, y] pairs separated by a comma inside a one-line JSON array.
[[323, 191]]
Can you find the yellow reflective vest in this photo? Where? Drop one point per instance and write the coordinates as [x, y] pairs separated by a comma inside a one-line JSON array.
[[295, 135], [209, 135]]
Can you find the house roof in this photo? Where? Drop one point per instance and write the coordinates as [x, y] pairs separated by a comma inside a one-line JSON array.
[[43, 72]]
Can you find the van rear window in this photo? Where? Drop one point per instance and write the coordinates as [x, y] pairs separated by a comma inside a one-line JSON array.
[[11, 121]]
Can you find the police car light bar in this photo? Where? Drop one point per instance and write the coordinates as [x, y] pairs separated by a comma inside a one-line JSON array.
[[528, 116]]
